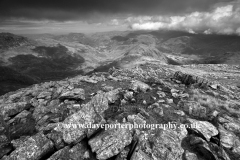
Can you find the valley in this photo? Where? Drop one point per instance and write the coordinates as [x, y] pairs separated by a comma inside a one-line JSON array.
[[46, 57]]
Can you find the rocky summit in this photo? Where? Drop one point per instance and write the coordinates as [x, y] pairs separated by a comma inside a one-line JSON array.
[[44, 120]]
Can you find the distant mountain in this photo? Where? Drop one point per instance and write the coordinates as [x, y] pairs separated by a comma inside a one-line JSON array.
[[50, 64], [8, 40], [137, 55], [192, 48], [75, 37], [25, 61]]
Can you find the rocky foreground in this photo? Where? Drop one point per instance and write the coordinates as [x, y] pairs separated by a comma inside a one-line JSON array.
[[32, 119]]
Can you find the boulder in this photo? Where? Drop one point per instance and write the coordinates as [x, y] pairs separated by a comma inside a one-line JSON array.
[[12, 109], [110, 142], [74, 127], [188, 79], [44, 95], [22, 124], [87, 79], [215, 86], [80, 151], [34, 148], [207, 150], [204, 128], [77, 152], [139, 86], [229, 140], [168, 144], [136, 119], [76, 94], [164, 144], [17, 142], [113, 95], [140, 155]]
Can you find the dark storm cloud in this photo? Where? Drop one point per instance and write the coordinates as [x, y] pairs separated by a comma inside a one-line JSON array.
[[62, 10]]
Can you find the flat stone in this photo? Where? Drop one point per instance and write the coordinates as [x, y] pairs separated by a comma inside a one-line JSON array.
[[13, 108], [136, 119], [205, 128], [34, 148], [167, 145], [87, 79], [215, 86], [17, 142], [110, 142], [22, 124], [76, 93], [44, 95], [80, 151], [229, 140], [77, 152], [92, 112]]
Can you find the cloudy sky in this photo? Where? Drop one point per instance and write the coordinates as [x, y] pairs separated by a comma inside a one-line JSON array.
[[63, 16]]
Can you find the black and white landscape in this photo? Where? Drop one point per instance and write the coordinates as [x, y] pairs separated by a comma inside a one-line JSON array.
[[128, 62]]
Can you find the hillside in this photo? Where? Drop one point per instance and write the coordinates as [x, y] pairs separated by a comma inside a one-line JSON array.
[[11, 80], [187, 48], [49, 57], [34, 120], [8, 40]]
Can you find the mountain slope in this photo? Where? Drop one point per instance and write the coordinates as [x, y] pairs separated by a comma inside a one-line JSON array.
[[39, 122], [11, 80], [186, 48], [8, 40]]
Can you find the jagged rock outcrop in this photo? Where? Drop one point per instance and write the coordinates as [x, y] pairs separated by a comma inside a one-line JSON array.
[[8, 40], [76, 93], [164, 145], [91, 113], [188, 79], [204, 128], [111, 142], [33, 148], [79, 151]]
